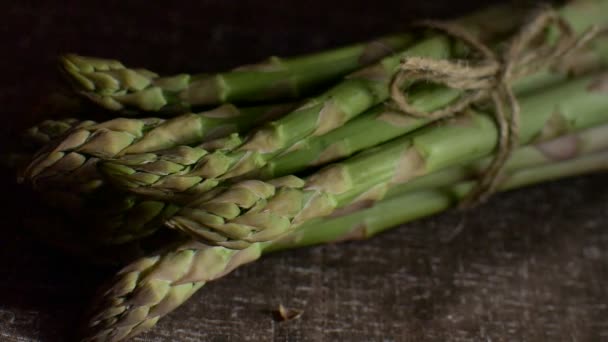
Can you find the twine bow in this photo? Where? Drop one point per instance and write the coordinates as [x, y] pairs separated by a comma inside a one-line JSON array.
[[490, 77]]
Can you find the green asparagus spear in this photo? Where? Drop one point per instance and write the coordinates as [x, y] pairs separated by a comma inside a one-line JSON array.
[[112, 85], [71, 161], [150, 288], [254, 211]]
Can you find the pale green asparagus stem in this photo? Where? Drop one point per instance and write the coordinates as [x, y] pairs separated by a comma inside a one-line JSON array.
[[167, 174], [153, 286], [116, 87], [255, 211]]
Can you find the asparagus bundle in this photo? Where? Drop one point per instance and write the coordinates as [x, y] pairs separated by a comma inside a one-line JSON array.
[[136, 218], [132, 176], [153, 286], [384, 120]]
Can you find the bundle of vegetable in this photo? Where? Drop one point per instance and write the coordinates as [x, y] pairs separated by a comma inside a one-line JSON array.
[[152, 286], [218, 188]]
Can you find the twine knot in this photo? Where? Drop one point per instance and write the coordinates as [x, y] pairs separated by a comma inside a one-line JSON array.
[[489, 78]]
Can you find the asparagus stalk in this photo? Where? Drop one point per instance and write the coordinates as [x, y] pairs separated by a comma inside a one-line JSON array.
[[166, 174], [116, 87], [71, 161], [254, 211], [151, 287], [147, 289]]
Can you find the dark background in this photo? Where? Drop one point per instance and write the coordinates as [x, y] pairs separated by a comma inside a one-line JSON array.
[[530, 265]]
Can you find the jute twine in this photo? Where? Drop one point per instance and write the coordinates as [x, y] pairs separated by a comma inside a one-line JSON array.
[[489, 78]]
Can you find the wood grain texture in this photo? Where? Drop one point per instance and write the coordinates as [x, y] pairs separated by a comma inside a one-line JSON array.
[[531, 265]]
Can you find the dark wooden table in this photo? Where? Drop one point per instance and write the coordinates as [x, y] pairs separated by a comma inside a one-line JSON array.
[[531, 265]]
